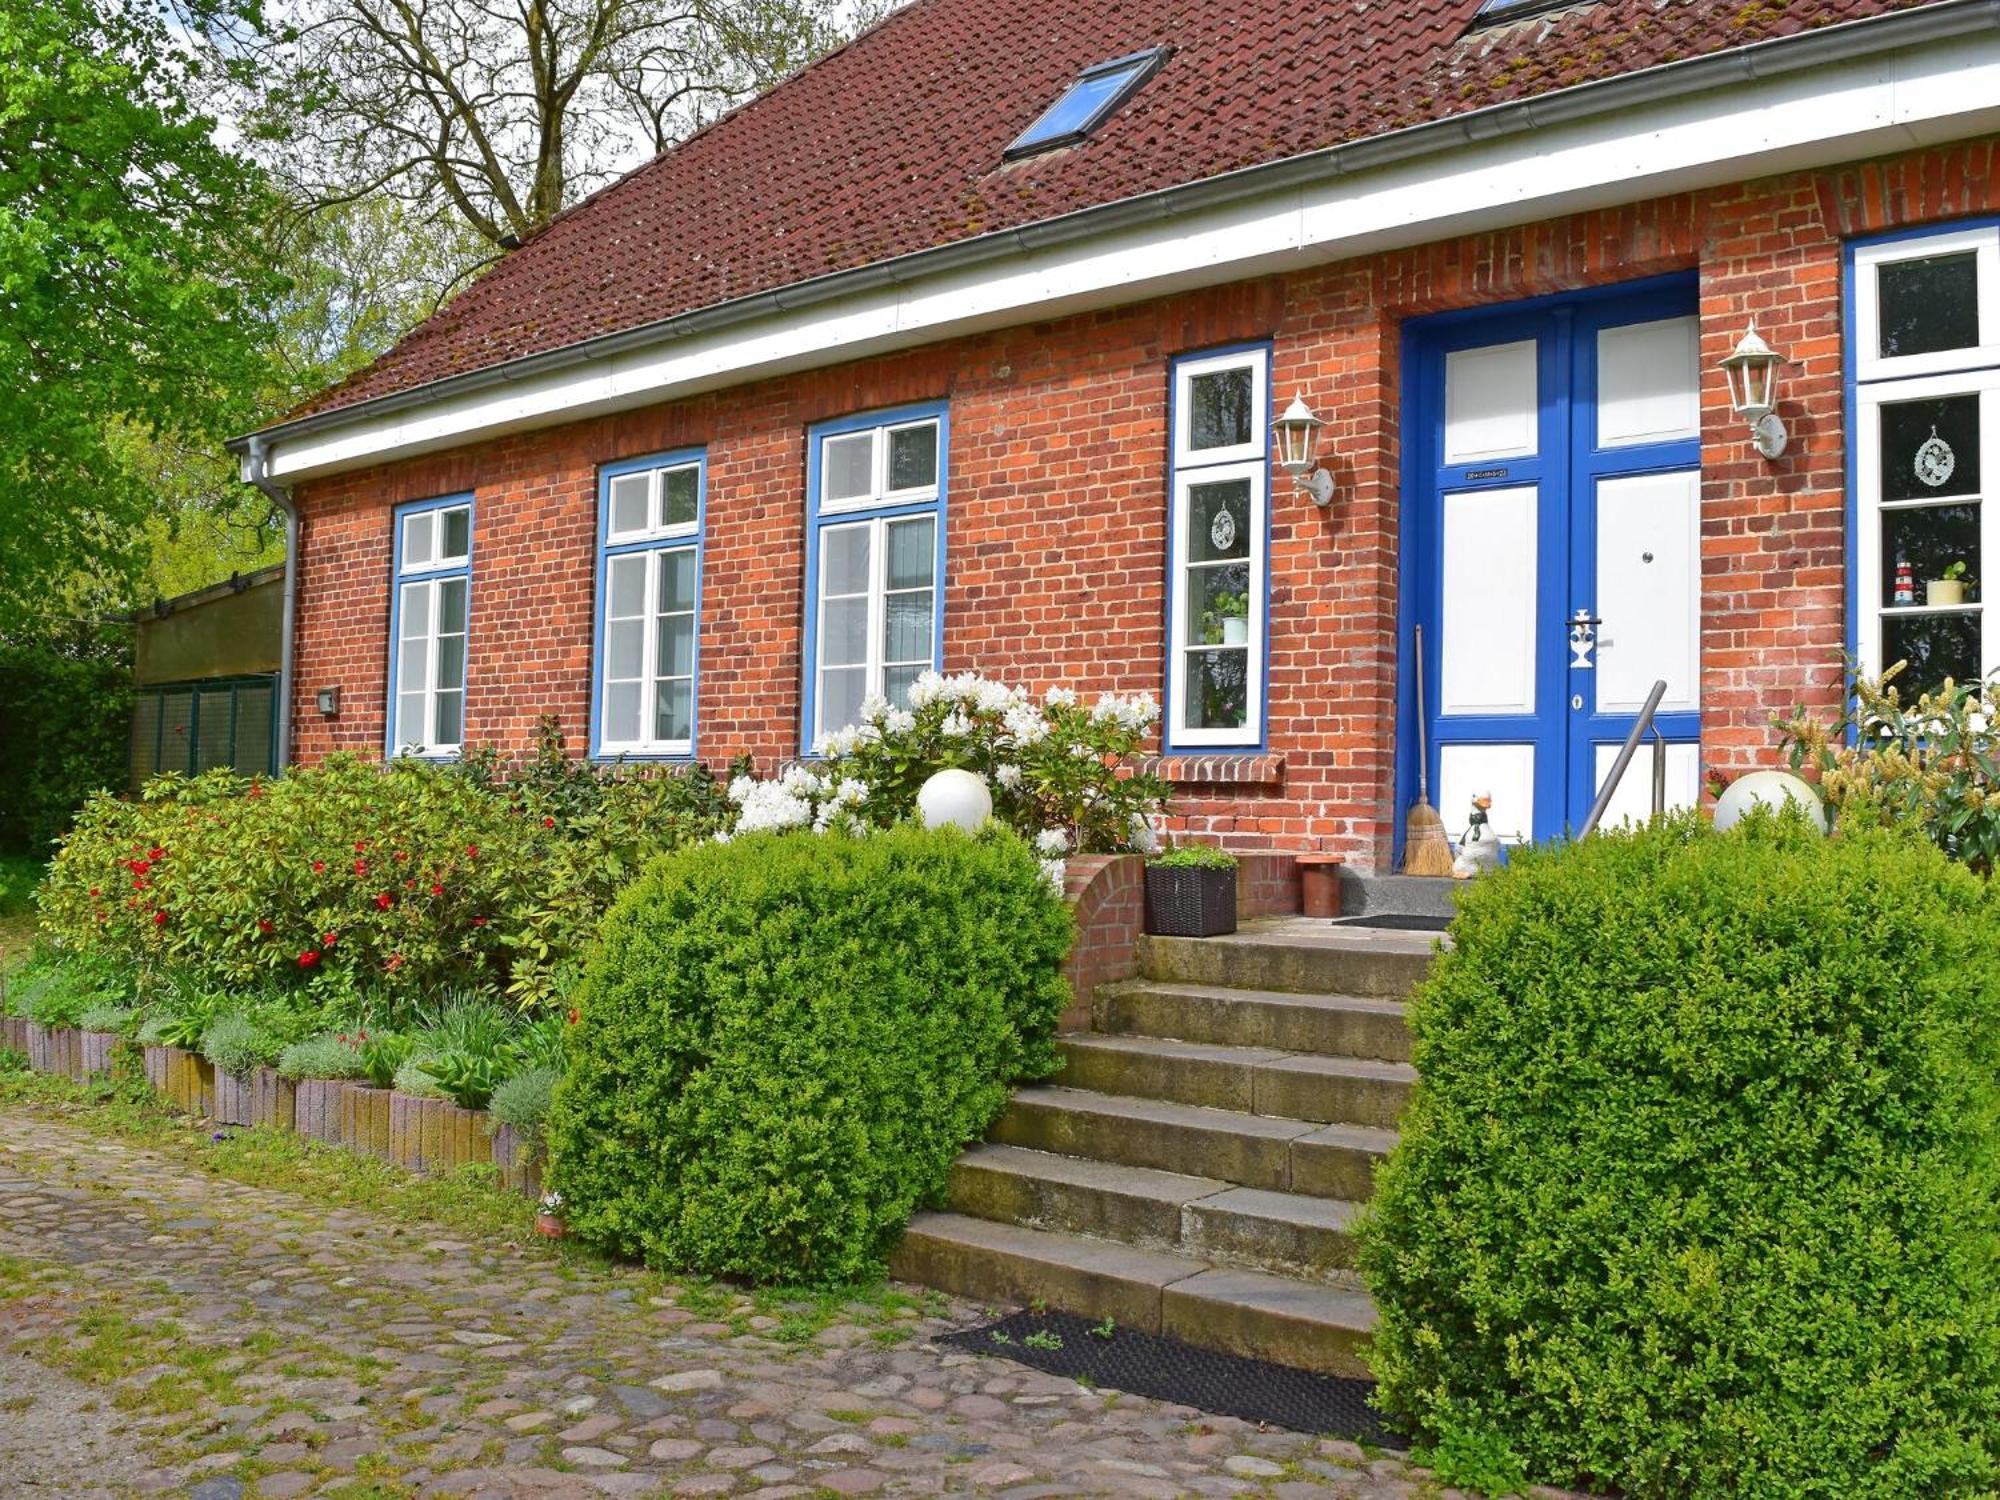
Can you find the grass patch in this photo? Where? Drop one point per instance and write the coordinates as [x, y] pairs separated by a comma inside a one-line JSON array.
[[19, 875]]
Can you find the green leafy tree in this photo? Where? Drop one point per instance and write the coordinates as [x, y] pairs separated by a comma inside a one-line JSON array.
[[131, 285]]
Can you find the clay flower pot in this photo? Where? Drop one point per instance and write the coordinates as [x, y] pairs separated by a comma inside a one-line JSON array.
[[550, 1225]]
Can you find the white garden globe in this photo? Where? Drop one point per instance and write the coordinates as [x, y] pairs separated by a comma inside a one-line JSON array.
[[958, 799], [1767, 789]]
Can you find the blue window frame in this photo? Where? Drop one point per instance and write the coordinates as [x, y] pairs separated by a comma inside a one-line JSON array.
[[875, 522], [1219, 537], [646, 652], [1088, 102], [430, 616]]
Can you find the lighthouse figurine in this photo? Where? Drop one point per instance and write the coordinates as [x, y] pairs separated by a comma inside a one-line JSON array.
[[1479, 850], [1906, 584]]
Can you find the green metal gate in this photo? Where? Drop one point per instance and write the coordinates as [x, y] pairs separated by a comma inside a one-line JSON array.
[[190, 727]]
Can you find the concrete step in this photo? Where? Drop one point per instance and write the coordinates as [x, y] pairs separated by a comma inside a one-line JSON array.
[[1254, 1228], [1137, 1205], [1297, 955], [1293, 1322], [1249, 1150], [1259, 1080], [1334, 1025], [1397, 895]]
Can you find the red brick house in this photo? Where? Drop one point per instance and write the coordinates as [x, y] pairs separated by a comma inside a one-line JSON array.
[[965, 347]]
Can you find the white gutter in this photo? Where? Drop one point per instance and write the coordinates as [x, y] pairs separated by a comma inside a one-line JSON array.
[[256, 470], [1837, 94]]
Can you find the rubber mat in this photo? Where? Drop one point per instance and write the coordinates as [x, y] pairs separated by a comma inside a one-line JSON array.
[[1397, 921], [1168, 1370]]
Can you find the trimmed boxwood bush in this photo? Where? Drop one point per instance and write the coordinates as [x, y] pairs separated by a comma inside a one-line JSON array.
[[1700, 1192], [783, 1042]]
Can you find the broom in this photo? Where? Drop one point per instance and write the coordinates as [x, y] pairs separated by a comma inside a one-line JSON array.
[[1426, 851]]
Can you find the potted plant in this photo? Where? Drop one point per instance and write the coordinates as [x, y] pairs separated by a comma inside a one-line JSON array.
[[548, 1217], [1951, 587], [1191, 892], [1227, 621]]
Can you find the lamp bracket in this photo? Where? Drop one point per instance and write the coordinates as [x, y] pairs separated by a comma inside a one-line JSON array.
[[1769, 435], [1317, 483]]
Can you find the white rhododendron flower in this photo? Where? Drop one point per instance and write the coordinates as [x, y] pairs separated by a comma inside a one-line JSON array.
[[898, 721], [1060, 697], [874, 708], [1025, 724], [926, 690], [1055, 872], [1145, 837], [1052, 842], [1008, 776]]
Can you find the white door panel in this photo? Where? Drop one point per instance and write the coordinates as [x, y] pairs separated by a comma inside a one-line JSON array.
[[1633, 800], [1504, 772], [1487, 624], [1648, 382], [1649, 590], [1491, 404]]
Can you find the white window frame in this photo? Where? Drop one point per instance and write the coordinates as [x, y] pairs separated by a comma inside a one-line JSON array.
[[651, 544], [1869, 364], [1869, 610], [419, 588], [875, 655], [879, 493], [1249, 461], [1186, 372]]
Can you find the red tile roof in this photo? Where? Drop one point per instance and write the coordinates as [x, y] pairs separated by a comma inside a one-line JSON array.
[[893, 143]]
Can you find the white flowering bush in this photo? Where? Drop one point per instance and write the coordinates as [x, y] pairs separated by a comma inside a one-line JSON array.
[[1060, 771]]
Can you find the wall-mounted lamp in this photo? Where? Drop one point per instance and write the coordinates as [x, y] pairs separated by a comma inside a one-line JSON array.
[[1752, 372], [329, 701], [1298, 451]]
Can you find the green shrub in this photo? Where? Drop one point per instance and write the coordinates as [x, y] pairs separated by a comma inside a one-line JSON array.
[[321, 1057], [123, 1019], [55, 991], [1700, 1192], [414, 1078], [786, 1039], [523, 1101], [235, 1043], [350, 878], [383, 1054]]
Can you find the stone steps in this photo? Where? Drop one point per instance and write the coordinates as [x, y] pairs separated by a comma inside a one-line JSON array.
[[1335, 1025], [1254, 1228], [1198, 1165], [1372, 963], [1255, 1080], [1295, 1322]]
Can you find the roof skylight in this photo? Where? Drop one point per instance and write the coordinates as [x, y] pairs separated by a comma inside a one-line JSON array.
[[1088, 102]]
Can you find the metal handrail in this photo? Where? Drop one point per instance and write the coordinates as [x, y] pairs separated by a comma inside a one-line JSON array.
[[1625, 752]]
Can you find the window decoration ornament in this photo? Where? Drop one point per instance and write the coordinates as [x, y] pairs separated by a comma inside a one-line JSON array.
[[1935, 460], [1752, 373]]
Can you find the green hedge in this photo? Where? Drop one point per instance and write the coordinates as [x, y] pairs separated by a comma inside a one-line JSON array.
[[785, 1040], [65, 718], [1700, 1192]]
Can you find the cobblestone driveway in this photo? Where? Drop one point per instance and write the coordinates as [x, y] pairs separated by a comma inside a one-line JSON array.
[[162, 1330]]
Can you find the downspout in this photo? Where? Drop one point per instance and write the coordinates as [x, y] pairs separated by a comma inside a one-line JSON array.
[[257, 469]]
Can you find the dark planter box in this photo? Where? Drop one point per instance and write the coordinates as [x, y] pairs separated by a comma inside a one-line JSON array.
[[1190, 903]]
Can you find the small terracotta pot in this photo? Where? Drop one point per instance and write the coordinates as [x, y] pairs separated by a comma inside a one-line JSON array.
[[550, 1226], [1319, 884]]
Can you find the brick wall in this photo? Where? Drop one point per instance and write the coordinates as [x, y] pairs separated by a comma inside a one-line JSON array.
[[1057, 530]]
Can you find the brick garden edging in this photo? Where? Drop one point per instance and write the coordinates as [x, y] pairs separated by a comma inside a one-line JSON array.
[[421, 1135]]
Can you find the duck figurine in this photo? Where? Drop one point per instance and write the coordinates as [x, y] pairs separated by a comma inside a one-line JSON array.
[[1479, 850]]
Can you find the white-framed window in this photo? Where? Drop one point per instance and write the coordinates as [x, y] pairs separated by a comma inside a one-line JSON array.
[[874, 562], [430, 619], [1216, 585], [648, 639], [1926, 385]]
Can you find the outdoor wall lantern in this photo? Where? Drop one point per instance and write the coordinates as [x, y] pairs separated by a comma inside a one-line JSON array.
[[1298, 451], [1752, 372], [329, 701]]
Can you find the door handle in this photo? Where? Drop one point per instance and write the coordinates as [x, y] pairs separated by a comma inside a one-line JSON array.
[[1582, 639]]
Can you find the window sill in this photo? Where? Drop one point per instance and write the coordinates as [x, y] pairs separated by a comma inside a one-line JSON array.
[[1216, 768]]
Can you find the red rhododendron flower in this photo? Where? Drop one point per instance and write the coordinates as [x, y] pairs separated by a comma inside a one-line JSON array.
[[393, 962], [437, 890], [308, 958], [265, 926], [402, 854], [138, 866], [575, 1015], [256, 789], [138, 884], [472, 851], [319, 867], [361, 847], [385, 901], [410, 885], [329, 940], [479, 921], [548, 822], [159, 919], [156, 852], [361, 867], [93, 893]]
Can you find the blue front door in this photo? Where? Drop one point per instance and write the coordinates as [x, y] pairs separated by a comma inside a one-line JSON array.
[[1554, 558]]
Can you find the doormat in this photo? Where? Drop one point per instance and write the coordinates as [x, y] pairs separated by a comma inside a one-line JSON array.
[[1166, 1369], [1400, 922]]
